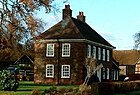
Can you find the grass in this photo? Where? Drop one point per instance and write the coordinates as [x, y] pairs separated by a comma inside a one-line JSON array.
[[26, 87]]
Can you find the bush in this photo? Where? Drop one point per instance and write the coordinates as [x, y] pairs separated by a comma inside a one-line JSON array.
[[109, 88], [8, 81], [36, 92]]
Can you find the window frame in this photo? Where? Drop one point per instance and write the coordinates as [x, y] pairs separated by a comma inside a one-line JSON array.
[[94, 52], [99, 53], [103, 55], [89, 51], [63, 50], [64, 71], [47, 50], [108, 55], [50, 76], [104, 73], [108, 73]]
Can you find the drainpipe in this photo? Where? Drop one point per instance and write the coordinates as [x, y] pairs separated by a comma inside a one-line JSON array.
[[58, 60]]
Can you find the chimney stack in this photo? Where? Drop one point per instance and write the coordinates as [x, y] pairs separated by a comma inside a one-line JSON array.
[[67, 11], [81, 17]]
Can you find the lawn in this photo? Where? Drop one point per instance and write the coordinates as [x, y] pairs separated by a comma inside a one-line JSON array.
[[26, 87]]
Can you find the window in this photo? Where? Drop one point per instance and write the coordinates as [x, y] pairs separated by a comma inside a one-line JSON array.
[[94, 52], [107, 73], [99, 53], [65, 50], [50, 50], [108, 55], [50, 71], [137, 71], [89, 51], [65, 71], [104, 73], [103, 54]]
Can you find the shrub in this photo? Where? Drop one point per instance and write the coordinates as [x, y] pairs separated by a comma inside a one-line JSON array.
[[36, 92], [8, 81]]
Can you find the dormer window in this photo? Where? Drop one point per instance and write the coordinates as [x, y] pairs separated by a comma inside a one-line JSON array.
[[50, 50], [66, 50]]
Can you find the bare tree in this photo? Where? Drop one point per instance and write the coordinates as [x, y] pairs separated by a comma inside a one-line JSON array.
[[137, 40]]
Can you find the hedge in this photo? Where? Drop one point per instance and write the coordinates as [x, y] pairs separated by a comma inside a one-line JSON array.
[[109, 88]]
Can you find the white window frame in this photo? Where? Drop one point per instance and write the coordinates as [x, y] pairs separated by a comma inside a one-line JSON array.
[[50, 50], [107, 70], [66, 51], [108, 55], [65, 70], [99, 53], [104, 73], [49, 71], [94, 52], [103, 54], [89, 51]]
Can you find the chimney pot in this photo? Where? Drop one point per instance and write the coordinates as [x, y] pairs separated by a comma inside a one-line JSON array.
[[81, 16], [82, 13], [79, 13]]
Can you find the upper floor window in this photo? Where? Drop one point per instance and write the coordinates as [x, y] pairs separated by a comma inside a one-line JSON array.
[[66, 50], [94, 52], [108, 55], [50, 50], [65, 71], [50, 70], [99, 53], [89, 51], [103, 54]]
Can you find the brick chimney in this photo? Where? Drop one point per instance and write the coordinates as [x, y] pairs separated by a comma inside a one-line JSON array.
[[81, 17], [67, 11]]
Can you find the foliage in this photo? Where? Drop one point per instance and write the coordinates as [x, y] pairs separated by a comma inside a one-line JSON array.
[[36, 92], [61, 91], [18, 21], [137, 40], [8, 81], [110, 88]]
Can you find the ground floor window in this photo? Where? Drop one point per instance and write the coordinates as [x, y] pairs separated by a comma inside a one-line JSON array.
[[107, 73], [50, 71], [104, 73], [65, 71]]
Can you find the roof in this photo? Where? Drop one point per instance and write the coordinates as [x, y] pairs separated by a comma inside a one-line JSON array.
[[126, 57], [24, 57], [115, 64], [71, 28]]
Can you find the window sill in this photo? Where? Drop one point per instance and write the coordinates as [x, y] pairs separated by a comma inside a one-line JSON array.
[[65, 55], [65, 77]]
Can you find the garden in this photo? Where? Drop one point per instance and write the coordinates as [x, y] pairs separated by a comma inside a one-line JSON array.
[[11, 86], [30, 88]]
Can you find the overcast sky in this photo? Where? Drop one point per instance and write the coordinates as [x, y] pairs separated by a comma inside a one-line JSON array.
[[115, 20]]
